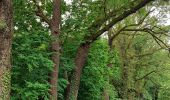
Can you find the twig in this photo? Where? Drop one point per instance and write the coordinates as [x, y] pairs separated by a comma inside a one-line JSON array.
[[40, 13]]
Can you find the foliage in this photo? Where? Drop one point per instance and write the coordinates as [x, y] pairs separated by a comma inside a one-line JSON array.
[[31, 66], [95, 75], [31, 54]]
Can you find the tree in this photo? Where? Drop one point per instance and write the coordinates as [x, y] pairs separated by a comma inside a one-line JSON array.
[[126, 33], [95, 30], [6, 30], [101, 72], [54, 25]]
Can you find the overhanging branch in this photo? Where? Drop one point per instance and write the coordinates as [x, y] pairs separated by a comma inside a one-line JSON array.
[[151, 72], [146, 54], [152, 33], [145, 75], [115, 20], [131, 25]]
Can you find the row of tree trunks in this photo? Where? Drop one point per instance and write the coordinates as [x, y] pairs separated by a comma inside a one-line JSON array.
[[5, 49], [6, 24]]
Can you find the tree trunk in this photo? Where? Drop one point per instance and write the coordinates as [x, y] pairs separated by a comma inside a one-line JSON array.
[[80, 60], [110, 64], [155, 92], [124, 76], [127, 71], [138, 87], [55, 31], [67, 89], [124, 67], [105, 95], [5, 48]]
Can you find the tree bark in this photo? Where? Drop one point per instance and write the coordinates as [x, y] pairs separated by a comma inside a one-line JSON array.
[[6, 24], [80, 60], [55, 31]]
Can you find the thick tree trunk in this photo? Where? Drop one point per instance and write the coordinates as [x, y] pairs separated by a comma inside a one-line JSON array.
[[80, 60], [55, 31], [5, 48]]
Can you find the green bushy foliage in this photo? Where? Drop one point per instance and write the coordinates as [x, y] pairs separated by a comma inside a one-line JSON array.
[[95, 74], [31, 66]]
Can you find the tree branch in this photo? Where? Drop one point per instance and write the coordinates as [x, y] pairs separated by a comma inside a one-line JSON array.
[[124, 28], [40, 13], [157, 39], [146, 54], [145, 75], [152, 33], [154, 71], [114, 20]]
